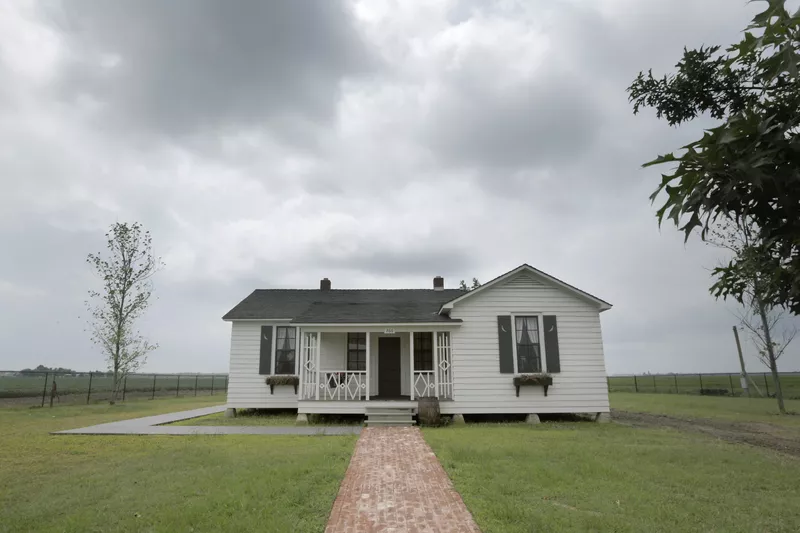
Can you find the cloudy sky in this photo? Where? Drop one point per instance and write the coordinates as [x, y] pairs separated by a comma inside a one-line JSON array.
[[378, 143]]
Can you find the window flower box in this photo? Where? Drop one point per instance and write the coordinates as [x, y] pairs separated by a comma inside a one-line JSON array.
[[282, 380], [533, 380]]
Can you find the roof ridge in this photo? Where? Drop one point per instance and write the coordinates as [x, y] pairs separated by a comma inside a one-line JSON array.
[[373, 290]]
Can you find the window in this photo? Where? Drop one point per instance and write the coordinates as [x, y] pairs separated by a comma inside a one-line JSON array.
[[285, 350], [529, 353], [423, 351], [356, 351]]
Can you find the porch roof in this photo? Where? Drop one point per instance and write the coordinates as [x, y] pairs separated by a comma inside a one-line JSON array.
[[349, 306]]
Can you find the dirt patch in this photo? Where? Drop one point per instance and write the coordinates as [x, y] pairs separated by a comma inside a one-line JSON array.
[[759, 434]]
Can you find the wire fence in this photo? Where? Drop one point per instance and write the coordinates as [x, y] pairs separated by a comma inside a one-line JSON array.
[[707, 384], [54, 388]]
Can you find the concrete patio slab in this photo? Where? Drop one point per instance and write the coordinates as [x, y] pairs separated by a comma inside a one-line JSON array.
[[154, 425]]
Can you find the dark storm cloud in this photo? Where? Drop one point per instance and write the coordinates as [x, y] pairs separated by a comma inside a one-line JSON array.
[[188, 66]]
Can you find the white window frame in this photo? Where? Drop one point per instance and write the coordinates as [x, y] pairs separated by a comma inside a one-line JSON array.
[[540, 324], [275, 348]]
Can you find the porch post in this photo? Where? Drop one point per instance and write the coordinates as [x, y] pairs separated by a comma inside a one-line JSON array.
[[411, 362], [436, 362], [317, 356], [368, 357], [300, 358]]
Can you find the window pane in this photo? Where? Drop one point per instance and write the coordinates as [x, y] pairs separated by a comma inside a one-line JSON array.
[[528, 359], [357, 351], [284, 361], [528, 348], [423, 351]]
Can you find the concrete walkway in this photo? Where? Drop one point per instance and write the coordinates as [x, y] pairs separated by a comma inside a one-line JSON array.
[[152, 425], [395, 483]]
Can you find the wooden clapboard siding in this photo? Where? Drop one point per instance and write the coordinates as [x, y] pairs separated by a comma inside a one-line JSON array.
[[333, 354], [479, 387], [246, 388]]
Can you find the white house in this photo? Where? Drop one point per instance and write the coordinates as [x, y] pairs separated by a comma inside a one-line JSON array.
[[362, 351]]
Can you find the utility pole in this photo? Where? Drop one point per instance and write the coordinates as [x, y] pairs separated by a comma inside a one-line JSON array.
[[741, 362], [745, 379]]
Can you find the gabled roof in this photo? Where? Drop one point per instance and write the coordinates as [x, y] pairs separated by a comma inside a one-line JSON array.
[[602, 304], [337, 306]]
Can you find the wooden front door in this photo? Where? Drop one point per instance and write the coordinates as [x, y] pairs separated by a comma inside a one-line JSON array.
[[389, 366]]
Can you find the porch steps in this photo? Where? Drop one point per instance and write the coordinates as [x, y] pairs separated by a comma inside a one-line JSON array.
[[389, 416]]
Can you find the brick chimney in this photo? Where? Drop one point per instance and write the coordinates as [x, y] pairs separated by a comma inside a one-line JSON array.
[[438, 283], [324, 284]]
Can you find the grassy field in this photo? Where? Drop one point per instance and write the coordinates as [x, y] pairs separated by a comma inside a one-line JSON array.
[[31, 386], [733, 409], [692, 383], [160, 484], [608, 477]]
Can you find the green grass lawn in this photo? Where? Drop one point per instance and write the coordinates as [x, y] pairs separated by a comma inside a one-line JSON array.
[[76, 483], [727, 408], [596, 477]]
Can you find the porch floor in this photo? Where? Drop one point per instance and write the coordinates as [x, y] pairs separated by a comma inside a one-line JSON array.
[[391, 398], [359, 407]]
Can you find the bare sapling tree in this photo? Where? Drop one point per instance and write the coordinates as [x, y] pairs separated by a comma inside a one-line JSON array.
[[771, 334], [764, 321], [126, 270]]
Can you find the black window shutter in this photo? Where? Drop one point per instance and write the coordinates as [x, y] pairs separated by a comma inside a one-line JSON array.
[[265, 359], [505, 339], [550, 325]]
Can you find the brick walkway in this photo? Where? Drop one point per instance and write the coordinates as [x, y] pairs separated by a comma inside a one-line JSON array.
[[395, 484]]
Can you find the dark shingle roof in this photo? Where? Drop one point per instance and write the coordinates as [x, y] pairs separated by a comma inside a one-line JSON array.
[[345, 306]]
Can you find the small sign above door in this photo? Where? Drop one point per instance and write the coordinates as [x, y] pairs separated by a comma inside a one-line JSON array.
[[388, 331]]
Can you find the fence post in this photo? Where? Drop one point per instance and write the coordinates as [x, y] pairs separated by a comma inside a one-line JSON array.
[[766, 384], [89, 394], [635, 383], [153, 395], [44, 389], [675, 376], [124, 388], [195, 384], [730, 380], [655, 389], [178, 386], [212, 384], [701, 382]]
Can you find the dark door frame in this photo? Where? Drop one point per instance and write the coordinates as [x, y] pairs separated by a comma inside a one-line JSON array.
[[390, 348]]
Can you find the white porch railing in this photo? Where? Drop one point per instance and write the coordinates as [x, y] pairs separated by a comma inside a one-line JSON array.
[[424, 383], [343, 385]]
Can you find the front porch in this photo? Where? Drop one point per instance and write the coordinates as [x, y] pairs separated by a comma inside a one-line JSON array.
[[344, 369]]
